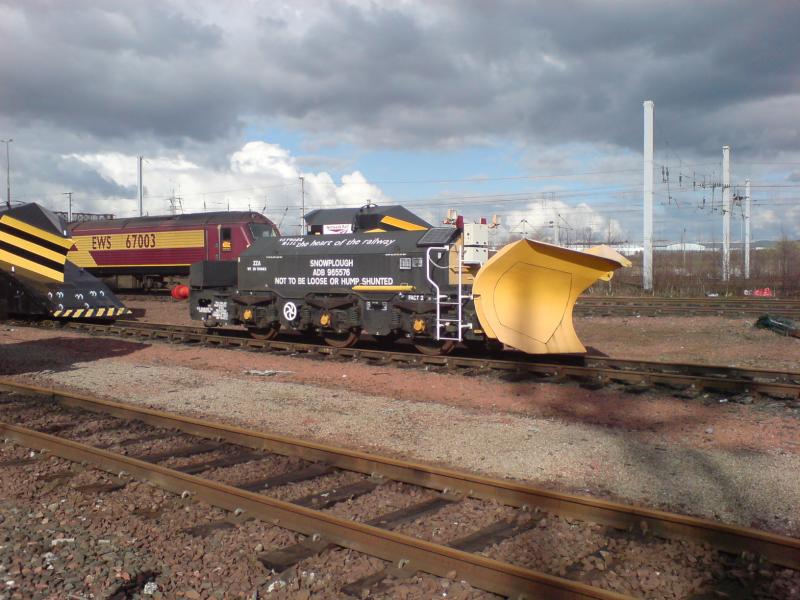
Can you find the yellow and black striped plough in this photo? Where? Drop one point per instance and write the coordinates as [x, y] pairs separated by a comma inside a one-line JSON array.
[[91, 313], [37, 280]]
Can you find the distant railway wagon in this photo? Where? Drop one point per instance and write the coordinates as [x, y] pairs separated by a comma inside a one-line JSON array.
[[149, 252]]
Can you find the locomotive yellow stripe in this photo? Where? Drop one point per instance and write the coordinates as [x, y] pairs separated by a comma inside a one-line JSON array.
[[32, 247], [57, 313], [107, 244], [67, 312], [31, 266], [101, 312], [401, 224], [89, 313], [78, 313], [376, 230], [45, 235]]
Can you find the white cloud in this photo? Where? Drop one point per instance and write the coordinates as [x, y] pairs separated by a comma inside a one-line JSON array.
[[576, 223], [256, 175]]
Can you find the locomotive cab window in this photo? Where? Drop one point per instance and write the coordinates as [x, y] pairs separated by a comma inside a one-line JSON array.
[[226, 239], [262, 230]]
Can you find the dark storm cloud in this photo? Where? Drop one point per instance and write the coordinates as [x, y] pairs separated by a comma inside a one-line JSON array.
[[407, 76], [76, 175], [546, 72], [112, 69]]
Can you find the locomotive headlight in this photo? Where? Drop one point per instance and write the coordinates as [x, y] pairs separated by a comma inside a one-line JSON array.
[[60, 307], [49, 295], [59, 294], [85, 305], [93, 293], [102, 293]]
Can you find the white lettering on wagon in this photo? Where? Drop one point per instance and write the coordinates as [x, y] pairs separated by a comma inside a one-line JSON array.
[[333, 281], [313, 242]]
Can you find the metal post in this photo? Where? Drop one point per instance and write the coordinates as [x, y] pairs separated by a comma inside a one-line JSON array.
[[557, 230], [747, 229], [683, 249], [8, 171], [726, 213], [649, 148], [141, 189], [69, 209], [302, 204]]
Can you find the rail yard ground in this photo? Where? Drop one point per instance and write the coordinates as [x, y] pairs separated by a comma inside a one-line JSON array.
[[710, 340], [719, 457]]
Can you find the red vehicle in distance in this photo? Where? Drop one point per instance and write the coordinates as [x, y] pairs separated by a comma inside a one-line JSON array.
[[156, 252]]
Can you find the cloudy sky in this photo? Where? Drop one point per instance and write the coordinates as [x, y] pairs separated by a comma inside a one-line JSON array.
[[531, 111]]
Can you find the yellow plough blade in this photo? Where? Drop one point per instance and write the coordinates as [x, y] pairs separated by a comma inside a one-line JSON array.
[[524, 294]]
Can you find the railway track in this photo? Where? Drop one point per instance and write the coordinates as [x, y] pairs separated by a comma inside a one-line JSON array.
[[492, 554], [592, 371], [636, 305], [655, 306]]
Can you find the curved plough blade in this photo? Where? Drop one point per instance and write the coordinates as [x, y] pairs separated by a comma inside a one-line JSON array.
[[524, 294]]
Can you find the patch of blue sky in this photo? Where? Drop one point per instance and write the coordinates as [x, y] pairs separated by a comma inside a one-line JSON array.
[[414, 174], [502, 172], [289, 140]]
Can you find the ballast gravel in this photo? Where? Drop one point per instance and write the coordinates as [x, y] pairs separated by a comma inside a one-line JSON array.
[[738, 487], [656, 452], [646, 455], [711, 340]]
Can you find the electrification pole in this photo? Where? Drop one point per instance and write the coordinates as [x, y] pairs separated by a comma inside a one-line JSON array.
[[8, 171], [141, 189], [649, 148], [557, 230], [69, 209], [726, 213], [747, 229], [302, 203]]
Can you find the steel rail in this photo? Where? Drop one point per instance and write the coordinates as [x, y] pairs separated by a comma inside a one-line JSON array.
[[479, 571], [683, 311], [618, 364], [688, 299], [781, 550], [654, 306], [783, 384], [698, 369]]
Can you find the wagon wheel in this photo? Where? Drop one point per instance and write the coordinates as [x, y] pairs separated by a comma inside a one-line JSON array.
[[341, 340], [431, 347], [264, 333]]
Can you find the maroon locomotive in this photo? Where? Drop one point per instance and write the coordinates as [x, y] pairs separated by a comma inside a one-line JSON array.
[[151, 252]]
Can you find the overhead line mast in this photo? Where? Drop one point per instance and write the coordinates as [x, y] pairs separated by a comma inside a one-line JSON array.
[[726, 213], [649, 147], [747, 208], [8, 171], [302, 203], [141, 189]]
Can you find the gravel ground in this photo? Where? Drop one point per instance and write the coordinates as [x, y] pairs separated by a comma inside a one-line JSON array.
[[104, 556], [711, 340], [731, 462]]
